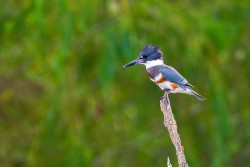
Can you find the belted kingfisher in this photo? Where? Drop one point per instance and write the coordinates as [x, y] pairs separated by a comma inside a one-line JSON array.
[[166, 77]]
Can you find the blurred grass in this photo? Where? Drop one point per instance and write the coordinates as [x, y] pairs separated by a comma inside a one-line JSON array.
[[65, 99]]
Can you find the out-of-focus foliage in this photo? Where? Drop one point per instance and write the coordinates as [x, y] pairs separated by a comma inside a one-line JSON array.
[[66, 101]]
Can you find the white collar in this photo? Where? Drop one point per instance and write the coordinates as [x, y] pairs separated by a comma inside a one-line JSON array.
[[153, 63]]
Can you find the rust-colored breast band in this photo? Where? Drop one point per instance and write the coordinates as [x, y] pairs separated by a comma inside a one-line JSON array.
[[174, 85], [161, 80]]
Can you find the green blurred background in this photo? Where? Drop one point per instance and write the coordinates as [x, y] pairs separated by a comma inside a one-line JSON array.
[[66, 101]]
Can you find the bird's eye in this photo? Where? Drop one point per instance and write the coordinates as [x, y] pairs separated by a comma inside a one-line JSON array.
[[143, 57]]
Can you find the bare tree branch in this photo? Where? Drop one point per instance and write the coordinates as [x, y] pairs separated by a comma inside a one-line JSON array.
[[169, 163], [171, 125]]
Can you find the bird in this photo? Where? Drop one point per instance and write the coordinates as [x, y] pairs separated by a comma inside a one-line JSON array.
[[166, 77]]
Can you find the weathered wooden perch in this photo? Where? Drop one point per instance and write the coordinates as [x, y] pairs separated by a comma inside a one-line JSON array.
[[171, 125], [169, 163]]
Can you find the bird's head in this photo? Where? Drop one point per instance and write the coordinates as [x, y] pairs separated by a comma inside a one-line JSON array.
[[149, 56]]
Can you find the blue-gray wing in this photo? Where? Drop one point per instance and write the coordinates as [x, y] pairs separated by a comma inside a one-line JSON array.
[[170, 74]]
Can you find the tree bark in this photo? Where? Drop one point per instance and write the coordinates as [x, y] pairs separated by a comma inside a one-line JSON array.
[[171, 125], [169, 163]]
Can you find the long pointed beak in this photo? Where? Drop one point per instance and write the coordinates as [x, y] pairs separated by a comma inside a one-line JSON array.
[[134, 62]]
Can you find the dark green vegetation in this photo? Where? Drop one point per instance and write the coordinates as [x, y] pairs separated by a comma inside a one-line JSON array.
[[66, 101]]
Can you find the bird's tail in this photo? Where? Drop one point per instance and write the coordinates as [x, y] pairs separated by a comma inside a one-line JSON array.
[[198, 96]]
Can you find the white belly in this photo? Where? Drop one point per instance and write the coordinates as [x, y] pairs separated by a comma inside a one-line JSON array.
[[165, 85]]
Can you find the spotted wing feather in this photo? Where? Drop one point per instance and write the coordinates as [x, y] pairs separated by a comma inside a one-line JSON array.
[[172, 75]]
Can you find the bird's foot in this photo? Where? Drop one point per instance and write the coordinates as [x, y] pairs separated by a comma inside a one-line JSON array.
[[165, 91]]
